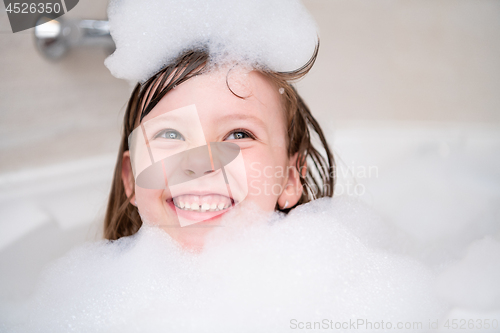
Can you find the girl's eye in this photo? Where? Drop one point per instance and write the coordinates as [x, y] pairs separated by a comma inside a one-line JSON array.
[[169, 134], [237, 135]]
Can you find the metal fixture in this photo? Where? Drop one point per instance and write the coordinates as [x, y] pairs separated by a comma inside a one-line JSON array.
[[56, 36]]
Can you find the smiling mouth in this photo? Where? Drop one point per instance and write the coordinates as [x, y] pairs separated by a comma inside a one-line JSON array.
[[203, 203]]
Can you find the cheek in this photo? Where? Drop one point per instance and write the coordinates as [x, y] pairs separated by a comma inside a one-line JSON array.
[[152, 205], [265, 177]]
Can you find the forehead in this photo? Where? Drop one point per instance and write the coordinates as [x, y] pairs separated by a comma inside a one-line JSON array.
[[226, 91]]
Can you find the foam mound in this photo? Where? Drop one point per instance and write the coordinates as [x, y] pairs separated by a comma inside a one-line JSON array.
[[276, 34], [325, 261]]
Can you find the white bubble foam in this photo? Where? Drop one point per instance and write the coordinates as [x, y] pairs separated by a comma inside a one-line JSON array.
[[326, 260], [278, 34], [474, 282]]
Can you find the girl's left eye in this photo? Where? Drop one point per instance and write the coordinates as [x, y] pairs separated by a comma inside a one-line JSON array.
[[170, 134], [237, 135]]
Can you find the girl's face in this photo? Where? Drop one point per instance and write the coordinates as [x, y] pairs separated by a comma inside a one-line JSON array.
[[189, 124]]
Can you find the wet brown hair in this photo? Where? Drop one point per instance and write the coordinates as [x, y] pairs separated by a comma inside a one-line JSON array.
[[122, 218]]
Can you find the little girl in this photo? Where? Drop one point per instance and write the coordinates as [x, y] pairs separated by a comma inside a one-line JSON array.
[[201, 139], [213, 134]]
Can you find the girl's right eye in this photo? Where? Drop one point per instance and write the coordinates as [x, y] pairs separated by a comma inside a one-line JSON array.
[[169, 134]]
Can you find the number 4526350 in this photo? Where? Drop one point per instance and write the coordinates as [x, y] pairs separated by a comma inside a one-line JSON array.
[[31, 8], [471, 324]]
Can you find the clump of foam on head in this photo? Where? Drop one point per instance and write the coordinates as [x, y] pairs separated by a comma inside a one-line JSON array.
[[276, 34]]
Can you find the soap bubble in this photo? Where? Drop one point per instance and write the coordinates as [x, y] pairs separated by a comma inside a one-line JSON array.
[[261, 272]]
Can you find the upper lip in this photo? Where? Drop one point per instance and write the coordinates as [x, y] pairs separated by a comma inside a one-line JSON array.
[[200, 193]]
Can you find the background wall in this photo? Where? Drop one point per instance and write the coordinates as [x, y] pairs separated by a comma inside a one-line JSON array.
[[419, 60], [56, 111]]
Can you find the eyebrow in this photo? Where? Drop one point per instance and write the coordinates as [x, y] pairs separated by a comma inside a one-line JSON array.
[[170, 116], [244, 116]]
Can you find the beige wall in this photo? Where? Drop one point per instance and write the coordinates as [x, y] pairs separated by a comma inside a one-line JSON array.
[[436, 60], [425, 60], [56, 111]]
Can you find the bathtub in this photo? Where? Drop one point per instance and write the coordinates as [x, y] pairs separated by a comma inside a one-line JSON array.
[[437, 182]]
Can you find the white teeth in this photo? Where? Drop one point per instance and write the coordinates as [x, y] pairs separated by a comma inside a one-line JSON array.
[[203, 203]]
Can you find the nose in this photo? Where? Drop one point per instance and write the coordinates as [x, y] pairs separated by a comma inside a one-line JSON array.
[[196, 162], [188, 165]]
